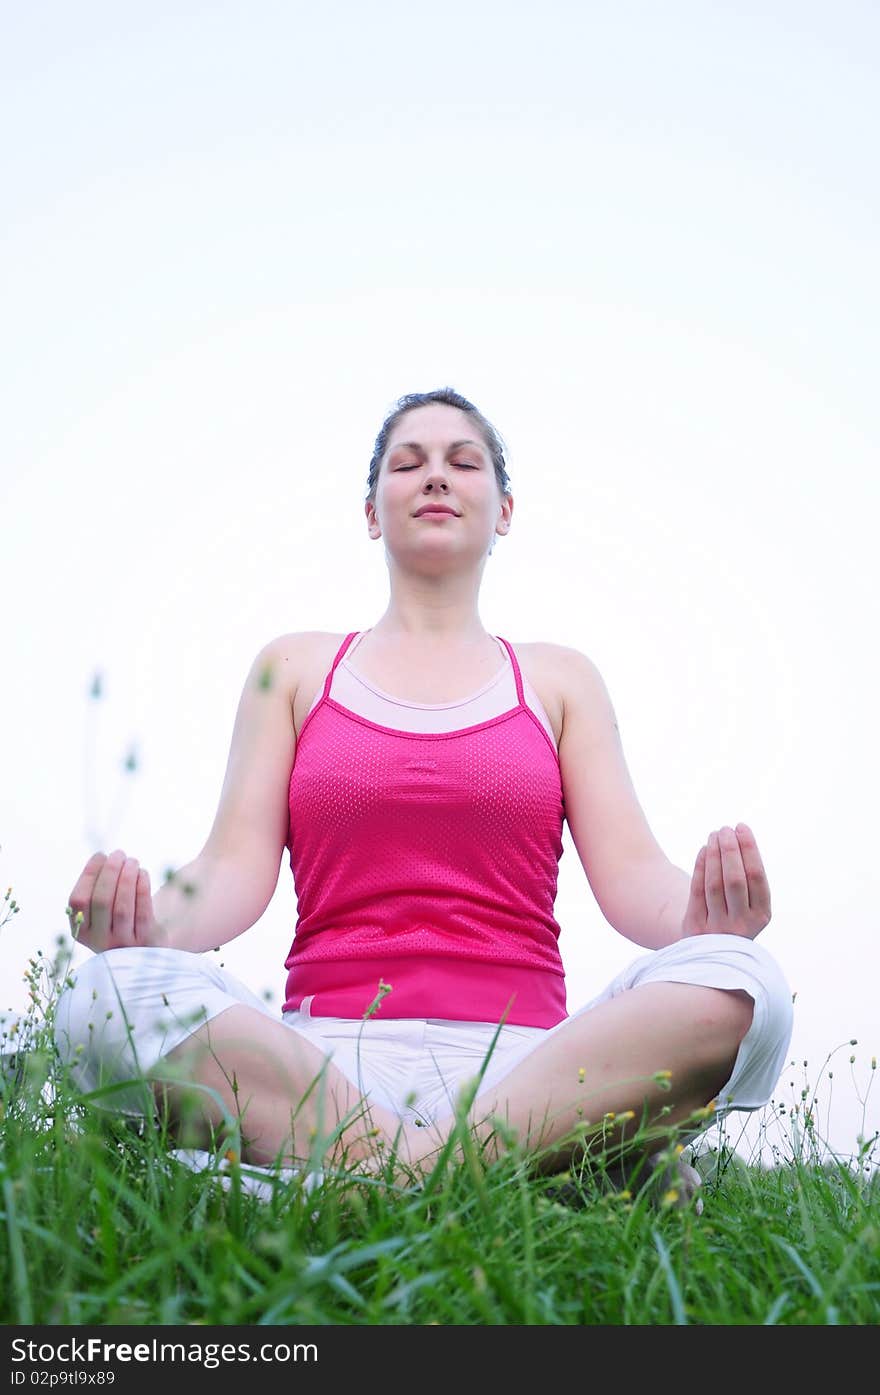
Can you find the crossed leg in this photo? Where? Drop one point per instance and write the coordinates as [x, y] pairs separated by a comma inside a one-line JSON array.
[[662, 1050], [283, 1092], [658, 1054]]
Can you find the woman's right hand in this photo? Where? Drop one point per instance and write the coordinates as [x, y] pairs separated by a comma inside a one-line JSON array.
[[113, 899]]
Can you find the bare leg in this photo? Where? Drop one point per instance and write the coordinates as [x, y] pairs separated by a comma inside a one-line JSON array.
[[661, 1050], [290, 1102]]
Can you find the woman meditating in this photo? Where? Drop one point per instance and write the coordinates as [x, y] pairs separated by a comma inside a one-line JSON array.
[[419, 774]]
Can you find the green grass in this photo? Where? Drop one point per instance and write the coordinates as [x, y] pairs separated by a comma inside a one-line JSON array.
[[101, 1226]]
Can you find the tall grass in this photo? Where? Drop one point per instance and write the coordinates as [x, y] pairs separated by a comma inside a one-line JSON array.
[[102, 1224]]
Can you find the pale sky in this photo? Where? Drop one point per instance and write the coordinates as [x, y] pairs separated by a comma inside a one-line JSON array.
[[641, 238]]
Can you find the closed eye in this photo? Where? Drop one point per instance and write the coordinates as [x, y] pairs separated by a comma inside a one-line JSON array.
[[461, 464]]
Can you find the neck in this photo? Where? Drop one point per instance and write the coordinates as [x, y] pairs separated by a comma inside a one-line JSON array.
[[433, 622]]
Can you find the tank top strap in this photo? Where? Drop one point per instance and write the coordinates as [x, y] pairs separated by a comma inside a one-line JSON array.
[[339, 655], [516, 671], [344, 646]]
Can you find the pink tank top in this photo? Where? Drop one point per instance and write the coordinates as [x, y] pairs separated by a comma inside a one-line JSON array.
[[427, 860]]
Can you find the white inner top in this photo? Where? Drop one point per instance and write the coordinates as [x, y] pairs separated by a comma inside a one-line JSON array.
[[356, 693]]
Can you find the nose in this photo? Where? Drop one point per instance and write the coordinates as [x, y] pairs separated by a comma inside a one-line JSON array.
[[436, 478]]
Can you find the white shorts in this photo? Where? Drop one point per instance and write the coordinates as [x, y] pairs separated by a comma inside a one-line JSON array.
[[130, 1007]]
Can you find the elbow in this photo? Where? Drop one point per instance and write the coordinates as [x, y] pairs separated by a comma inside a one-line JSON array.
[[647, 903]]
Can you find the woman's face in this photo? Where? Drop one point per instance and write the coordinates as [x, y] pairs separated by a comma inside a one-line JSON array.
[[436, 456]]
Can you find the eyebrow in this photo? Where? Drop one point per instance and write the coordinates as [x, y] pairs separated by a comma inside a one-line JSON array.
[[419, 450]]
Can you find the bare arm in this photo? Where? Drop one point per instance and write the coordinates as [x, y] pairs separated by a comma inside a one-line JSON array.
[[641, 893], [228, 885]]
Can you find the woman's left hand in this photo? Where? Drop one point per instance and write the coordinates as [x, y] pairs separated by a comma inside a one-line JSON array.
[[729, 893]]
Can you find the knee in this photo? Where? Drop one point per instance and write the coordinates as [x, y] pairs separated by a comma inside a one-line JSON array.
[[756, 994], [82, 1004], [720, 1019], [761, 979], [91, 1029]]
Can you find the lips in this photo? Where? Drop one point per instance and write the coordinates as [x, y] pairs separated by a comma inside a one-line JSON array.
[[435, 508]]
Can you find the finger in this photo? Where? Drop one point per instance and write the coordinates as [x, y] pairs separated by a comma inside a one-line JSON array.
[[714, 883], [104, 894], [736, 891], [756, 876], [698, 887], [122, 916], [80, 899], [143, 910]]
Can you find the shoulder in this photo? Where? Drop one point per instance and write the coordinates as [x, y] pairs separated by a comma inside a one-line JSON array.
[[560, 656], [299, 646], [290, 660], [568, 673]]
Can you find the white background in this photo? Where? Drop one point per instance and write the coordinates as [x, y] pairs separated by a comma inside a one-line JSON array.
[[641, 238]]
